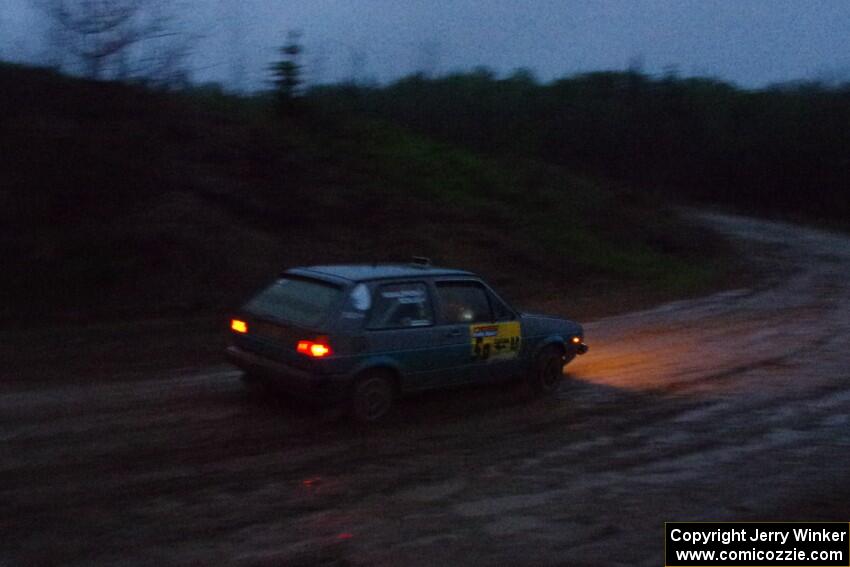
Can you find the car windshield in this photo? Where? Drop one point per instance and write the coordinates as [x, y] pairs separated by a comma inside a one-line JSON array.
[[301, 301]]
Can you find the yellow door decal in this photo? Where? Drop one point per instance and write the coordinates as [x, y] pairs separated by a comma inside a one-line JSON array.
[[495, 341]]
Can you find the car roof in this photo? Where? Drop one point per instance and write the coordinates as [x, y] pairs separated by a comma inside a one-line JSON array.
[[365, 272]]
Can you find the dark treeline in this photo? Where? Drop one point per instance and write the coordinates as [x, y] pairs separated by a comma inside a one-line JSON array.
[[779, 150]]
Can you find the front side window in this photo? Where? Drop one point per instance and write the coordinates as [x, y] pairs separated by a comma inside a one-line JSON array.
[[501, 312], [463, 302], [301, 301], [401, 305]]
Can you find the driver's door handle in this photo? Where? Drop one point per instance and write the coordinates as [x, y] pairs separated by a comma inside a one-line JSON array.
[[453, 333]]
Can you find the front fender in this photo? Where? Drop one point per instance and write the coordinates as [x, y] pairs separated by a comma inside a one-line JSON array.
[[546, 343]]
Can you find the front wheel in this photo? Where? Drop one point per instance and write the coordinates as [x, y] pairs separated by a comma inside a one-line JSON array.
[[545, 378], [372, 398]]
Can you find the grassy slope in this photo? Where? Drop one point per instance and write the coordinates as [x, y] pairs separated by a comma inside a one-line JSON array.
[[119, 202]]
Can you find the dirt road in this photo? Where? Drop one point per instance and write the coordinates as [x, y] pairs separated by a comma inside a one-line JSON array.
[[734, 406]]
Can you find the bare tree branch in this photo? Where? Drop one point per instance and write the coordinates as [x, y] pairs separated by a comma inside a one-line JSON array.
[[118, 38]]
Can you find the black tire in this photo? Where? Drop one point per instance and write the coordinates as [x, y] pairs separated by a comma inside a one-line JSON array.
[[372, 397], [547, 374], [253, 383], [249, 378]]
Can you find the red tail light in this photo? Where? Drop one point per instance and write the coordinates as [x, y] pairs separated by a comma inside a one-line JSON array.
[[315, 349], [238, 326]]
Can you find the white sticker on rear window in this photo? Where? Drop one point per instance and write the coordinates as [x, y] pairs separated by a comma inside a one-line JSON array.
[[405, 295], [360, 297]]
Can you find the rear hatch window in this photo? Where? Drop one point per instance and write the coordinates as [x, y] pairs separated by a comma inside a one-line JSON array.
[[301, 301]]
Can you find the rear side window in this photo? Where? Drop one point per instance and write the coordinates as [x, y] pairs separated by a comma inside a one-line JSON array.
[[301, 301], [463, 302], [401, 305]]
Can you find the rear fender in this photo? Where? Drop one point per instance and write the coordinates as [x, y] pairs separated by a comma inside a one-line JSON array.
[[379, 363]]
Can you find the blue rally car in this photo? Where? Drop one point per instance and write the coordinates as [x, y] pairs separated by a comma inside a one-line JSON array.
[[366, 334]]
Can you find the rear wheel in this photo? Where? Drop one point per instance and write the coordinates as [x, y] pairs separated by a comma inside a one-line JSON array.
[[249, 379], [548, 372], [372, 398], [253, 383]]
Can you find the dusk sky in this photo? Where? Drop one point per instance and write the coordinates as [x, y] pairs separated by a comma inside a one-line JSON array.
[[750, 42]]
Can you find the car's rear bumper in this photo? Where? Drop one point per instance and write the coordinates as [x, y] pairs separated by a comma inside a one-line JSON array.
[[322, 388], [582, 348]]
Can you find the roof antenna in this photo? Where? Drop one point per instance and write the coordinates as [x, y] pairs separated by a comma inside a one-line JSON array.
[[421, 261]]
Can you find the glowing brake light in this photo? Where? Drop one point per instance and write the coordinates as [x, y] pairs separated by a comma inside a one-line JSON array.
[[319, 350], [239, 326], [314, 349], [576, 340]]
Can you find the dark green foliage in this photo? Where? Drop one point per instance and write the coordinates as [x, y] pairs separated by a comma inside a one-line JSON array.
[[782, 150], [118, 201]]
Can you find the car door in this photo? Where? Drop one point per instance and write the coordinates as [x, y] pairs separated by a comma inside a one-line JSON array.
[[466, 330], [505, 357], [400, 328]]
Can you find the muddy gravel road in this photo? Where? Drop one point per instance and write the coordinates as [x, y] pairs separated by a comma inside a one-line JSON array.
[[733, 406]]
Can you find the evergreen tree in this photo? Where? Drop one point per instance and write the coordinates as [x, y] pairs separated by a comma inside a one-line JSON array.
[[288, 71]]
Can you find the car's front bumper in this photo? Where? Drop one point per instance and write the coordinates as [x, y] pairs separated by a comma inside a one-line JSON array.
[[322, 388], [582, 348]]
